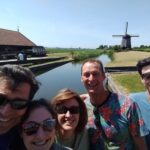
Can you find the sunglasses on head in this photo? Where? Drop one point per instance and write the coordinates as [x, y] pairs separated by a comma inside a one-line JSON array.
[[32, 127], [63, 109], [146, 76], [14, 103]]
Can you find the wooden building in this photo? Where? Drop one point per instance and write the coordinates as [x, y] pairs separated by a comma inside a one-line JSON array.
[[13, 42]]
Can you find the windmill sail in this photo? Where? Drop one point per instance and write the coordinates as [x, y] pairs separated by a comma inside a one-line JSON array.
[[126, 38], [126, 28]]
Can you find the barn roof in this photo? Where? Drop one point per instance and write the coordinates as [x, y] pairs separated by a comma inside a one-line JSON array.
[[8, 37]]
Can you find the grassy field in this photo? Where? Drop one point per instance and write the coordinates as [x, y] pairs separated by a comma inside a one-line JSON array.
[[78, 54], [128, 82], [128, 58], [64, 54]]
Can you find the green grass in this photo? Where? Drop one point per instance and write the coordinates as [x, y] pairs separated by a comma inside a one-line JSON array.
[[127, 58], [82, 55], [128, 82], [66, 50], [78, 54]]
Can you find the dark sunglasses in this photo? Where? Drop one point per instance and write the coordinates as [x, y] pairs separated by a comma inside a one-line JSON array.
[[14, 103], [146, 76], [32, 127], [63, 109]]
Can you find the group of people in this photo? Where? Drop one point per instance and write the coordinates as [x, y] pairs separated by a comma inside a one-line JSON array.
[[101, 119]]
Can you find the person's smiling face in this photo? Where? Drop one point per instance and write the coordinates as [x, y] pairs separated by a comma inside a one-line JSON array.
[[10, 117], [42, 139], [92, 77], [68, 121], [146, 77]]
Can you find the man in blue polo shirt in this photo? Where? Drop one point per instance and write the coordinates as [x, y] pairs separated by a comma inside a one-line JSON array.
[[143, 98], [17, 88]]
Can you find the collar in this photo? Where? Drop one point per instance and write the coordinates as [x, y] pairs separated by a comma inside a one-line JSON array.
[[107, 98]]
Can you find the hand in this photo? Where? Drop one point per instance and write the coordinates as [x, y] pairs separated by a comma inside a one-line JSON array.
[[84, 96]]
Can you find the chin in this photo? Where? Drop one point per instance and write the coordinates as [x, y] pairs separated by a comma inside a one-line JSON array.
[[91, 91], [68, 129]]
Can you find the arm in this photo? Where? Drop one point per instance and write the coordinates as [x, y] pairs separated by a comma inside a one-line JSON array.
[[139, 143]]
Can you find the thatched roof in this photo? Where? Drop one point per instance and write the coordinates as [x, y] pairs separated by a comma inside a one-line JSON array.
[[8, 37]]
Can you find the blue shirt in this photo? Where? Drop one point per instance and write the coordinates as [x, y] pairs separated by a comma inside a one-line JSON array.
[[141, 99]]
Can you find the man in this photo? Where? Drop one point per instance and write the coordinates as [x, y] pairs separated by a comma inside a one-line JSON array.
[[17, 88], [21, 56], [143, 98], [117, 118]]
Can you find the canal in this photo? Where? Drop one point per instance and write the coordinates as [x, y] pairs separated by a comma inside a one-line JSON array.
[[66, 76]]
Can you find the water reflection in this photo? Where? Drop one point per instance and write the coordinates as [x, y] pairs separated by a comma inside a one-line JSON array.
[[66, 76]]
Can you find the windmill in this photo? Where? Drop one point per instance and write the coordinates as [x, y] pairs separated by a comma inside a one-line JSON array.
[[126, 38]]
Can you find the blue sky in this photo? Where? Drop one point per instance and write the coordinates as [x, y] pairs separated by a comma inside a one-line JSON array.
[[77, 23]]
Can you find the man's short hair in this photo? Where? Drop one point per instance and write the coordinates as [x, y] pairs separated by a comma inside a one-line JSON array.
[[142, 63], [16, 74]]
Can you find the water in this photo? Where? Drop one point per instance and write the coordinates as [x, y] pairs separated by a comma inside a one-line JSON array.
[[66, 76]]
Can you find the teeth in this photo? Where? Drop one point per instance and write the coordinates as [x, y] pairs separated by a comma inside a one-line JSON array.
[[4, 120], [69, 122], [40, 143]]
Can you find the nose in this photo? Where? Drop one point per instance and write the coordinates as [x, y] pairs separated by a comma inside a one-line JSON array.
[[40, 133], [68, 114], [91, 77]]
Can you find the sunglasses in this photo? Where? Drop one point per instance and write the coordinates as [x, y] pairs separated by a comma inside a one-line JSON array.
[[14, 103], [63, 109], [146, 76], [32, 127]]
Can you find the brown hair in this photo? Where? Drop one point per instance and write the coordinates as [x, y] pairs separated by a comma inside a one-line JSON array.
[[16, 74], [141, 64], [35, 104], [66, 95], [94, 61]]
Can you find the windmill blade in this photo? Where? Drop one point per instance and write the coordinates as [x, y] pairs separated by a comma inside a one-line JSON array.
[[134, 35], [126, 28], [118, 35]]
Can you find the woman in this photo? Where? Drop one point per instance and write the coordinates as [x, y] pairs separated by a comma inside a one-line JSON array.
[[72, 118], [38, 128]]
